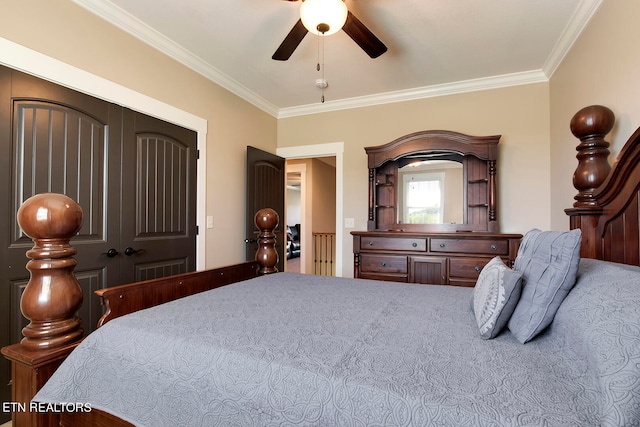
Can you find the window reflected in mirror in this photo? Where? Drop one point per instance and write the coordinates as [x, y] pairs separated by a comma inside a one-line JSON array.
[[431, 192]]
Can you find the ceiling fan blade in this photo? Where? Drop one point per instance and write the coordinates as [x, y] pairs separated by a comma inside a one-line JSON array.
[[363, 36], [291, 42]]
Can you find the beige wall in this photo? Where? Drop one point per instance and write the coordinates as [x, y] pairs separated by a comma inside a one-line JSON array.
[[602, 68], [520, 114], [64, 31], [324, 197], [323, 206], [536, 148]]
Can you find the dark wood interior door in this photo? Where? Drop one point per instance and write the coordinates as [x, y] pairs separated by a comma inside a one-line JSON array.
[[133, 176], [265, 189], [158, 216]]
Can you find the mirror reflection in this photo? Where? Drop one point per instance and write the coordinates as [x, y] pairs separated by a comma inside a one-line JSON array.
[[431, 192]]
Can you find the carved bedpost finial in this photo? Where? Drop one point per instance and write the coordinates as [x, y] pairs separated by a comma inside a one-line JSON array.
[[266, 220], [53, 295], [590, 125]]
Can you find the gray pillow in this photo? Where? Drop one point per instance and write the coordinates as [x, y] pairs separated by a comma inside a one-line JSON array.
[[548, 261], [495, 297]]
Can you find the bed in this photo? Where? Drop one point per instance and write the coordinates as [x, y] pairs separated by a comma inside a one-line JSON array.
[[242, 346]]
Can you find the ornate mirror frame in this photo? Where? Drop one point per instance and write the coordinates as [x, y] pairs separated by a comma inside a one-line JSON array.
[[478, 155]]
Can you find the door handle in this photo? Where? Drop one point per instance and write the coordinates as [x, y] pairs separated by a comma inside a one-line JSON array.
[[130, 251], [111, 253], [250, 240]]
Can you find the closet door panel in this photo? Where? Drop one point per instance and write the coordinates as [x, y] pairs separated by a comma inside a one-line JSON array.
[[134, 177], [159, 213], [61, 150], [56, 140]]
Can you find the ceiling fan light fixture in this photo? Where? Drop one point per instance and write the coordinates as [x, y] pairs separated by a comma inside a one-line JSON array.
[[324, 17]]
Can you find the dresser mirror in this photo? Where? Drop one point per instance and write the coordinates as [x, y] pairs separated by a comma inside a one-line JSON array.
[[430, 192], [433, 181]]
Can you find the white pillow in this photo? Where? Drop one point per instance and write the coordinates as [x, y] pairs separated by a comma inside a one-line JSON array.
[[495, 296]]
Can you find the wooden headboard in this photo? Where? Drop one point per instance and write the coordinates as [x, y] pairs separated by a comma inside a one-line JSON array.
[[606, 207]]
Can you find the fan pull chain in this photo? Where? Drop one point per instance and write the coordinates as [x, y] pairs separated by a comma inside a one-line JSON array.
[[318, 55], [321, 68], [322, 77]]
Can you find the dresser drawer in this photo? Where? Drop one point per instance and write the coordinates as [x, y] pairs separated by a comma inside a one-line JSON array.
[[383, 264], [393, 244], [468, 268], [470, 246]]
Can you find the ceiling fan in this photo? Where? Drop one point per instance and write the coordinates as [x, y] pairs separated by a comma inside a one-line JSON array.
[[352, 26]]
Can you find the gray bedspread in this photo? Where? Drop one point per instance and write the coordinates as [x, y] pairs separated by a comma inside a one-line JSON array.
[[290, 349]]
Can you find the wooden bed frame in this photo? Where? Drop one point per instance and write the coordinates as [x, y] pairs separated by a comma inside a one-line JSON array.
[[54, 330], [606, 209]]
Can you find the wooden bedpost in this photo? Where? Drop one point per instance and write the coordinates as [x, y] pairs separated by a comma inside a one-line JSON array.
[[53, 295], [590, 125], [50, 300], [266, 220]]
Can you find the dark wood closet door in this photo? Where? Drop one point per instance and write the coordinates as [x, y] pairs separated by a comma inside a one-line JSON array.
[[159, 207], [265, 189], [5, 199], [133, 176], [56, 140]]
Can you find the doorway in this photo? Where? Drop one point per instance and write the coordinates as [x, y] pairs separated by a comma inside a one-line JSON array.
[[321, 153], [293, 217]]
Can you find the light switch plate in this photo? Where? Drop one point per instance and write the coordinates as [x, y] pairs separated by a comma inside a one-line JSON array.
[[209, 221]]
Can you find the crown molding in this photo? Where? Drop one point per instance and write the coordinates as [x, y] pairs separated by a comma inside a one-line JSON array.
[[130, 24], [578, 22], [495, 82]]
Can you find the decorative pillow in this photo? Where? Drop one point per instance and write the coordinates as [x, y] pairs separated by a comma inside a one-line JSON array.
[[495, 297], [548, 261]]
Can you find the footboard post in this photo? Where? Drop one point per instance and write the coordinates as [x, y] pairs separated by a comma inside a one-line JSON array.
[[50, 300], [266, 220]]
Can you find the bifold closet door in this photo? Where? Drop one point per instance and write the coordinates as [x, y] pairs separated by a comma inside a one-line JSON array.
[[61, 141], [134, 177], [56, 140]]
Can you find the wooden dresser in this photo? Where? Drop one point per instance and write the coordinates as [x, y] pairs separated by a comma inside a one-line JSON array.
[[430, 258], [419, 235]]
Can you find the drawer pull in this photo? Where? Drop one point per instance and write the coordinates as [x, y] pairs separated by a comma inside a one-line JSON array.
[[414, 244], [478, 269], [442, 245], [370, 243], [493, 246], [384, 264]]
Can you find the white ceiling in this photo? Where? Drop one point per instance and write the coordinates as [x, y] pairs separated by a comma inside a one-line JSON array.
[[435, 47]]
